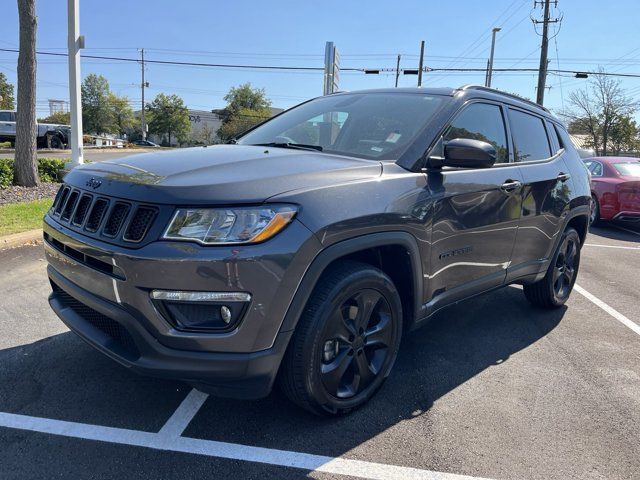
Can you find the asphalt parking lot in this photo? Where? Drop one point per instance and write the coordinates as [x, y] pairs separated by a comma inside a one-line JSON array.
[[492, 388]]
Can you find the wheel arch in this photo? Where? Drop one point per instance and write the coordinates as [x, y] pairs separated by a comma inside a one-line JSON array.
[[369, 249]]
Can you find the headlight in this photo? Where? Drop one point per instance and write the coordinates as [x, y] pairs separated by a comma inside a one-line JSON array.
[[211, 226]]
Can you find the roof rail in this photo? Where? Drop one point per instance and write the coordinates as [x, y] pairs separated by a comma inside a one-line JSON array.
[[500, 92]]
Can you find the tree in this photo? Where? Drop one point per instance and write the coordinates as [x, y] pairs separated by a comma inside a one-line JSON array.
[[25, 168], [97, 115], [169, 116], [242, 121], [57, 118], [624, 135], [597, 109], [122, 113], [245, 108], [7, 99], [206, 133]]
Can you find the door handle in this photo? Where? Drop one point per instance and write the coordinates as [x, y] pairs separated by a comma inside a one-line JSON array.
[[563, 177], [510, 185]]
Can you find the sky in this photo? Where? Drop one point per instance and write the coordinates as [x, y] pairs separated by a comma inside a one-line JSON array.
[[368, 34]]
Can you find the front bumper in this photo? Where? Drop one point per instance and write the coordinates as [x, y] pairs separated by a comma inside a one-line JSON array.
[[238, 363], [236, 375]]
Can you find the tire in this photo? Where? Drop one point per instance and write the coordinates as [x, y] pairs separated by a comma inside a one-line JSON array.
[[556, 286], [54, 142], [594, 217], [339, 356]]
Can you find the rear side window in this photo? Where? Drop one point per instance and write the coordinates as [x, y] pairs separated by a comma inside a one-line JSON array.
[[481, 121], [6, 117], [529, 136], [595, 168]]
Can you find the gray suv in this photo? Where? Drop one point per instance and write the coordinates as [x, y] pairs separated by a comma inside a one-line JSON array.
[[301, 253]]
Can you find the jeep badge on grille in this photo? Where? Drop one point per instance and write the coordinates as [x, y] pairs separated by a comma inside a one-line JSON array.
[[93, 183]]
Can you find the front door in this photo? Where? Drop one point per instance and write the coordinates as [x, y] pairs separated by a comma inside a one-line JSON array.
[[476, 212]]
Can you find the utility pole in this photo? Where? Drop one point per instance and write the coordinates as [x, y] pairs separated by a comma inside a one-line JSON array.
[[75, 43], [544, 47], [493, 46], [397, 70], [143, 85], [421, 63]]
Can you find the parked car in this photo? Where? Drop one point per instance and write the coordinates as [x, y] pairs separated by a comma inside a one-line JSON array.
[[48, 135], [305, 251], [615, 188], [145, 143]]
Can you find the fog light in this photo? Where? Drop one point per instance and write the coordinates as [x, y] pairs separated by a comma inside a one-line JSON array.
[[225, 313]]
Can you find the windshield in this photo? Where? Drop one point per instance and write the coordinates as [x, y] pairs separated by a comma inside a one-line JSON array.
[[628, 169], [377, 126]]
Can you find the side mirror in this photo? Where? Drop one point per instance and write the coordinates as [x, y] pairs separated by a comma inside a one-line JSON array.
[[468, 153]]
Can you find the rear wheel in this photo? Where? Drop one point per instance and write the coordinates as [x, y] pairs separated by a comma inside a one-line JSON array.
[[556, 286], [346, 341]]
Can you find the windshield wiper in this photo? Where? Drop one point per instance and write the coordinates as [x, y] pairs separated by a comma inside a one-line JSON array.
[[296, 146]]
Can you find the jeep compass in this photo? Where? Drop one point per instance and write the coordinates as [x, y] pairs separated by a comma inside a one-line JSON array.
[[301, 253]]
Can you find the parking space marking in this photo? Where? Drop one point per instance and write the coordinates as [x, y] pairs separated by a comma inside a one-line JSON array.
[[183, 415], [607, 308], [611, 246], [232, 451]]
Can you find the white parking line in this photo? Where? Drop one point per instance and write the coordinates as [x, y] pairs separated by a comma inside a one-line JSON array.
[[610, 310], [233, 451], [183, 414], [611, 246]]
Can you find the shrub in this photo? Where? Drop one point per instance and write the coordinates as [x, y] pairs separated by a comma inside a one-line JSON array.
[[48, 170]]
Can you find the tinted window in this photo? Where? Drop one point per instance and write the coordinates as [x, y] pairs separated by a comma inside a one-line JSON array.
[[481, 121], [367, 125], [5, 117], [529, 136]]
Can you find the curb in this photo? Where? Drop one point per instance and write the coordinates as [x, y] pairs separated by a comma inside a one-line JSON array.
[[32, 237]]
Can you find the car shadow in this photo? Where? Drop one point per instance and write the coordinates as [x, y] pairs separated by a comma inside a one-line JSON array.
[[61, 377], [609, 230]]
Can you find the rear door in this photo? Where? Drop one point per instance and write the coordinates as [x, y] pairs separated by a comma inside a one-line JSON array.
[[7, 124], [476, 211], [546, 190]]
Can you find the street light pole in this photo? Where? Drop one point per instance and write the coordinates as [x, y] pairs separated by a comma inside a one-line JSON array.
[[75, 43], [493, 45]]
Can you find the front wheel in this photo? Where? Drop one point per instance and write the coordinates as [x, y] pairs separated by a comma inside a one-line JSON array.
[[556, 286], [346, 341]]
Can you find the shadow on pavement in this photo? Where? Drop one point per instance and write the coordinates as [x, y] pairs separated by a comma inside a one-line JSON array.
[[608, 230], [60, 377]]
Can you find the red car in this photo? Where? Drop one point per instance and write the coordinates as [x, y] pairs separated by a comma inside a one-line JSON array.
[[615, 188]]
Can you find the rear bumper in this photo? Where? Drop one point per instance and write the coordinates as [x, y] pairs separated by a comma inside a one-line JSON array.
[[236, 375], [628, 216]]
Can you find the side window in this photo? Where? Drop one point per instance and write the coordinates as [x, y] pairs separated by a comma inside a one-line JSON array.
[[481, 121], [5, 117], [529, 136], [596, 169]]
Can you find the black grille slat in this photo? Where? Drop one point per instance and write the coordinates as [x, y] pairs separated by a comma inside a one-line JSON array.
[[81, 211], [70, 205], [139, 224], [116, 219], [62, 200], [56, 200], [97, 212], [109, 327]]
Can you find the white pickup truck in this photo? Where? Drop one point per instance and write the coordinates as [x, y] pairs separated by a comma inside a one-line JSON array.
[[49, 135]]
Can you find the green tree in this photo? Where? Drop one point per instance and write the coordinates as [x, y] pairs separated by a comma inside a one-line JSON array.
[[169, 116], [122, 113], [623, 136], [596, 109], [97, 115], [7, 98], [57, 118], [246, 106]]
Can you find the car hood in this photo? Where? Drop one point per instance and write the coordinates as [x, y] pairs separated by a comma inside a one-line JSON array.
[[221, 174]]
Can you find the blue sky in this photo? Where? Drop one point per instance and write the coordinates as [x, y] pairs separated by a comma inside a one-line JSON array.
[[367, 34]]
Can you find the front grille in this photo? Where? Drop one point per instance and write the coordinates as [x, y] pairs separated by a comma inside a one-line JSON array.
[[97, 212], [122, 222], [116, 219], [82, 209], [139, 224], [109, 327], [70, 205]]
